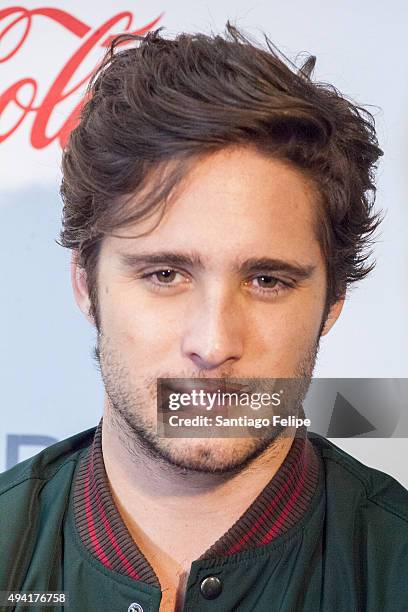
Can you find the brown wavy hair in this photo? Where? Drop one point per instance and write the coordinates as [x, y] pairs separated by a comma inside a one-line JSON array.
[[154, 108]]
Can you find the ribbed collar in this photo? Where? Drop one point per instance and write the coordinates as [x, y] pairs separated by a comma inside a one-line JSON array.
[[279, 506]]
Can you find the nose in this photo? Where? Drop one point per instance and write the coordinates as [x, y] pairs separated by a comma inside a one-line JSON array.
[[214, 335]]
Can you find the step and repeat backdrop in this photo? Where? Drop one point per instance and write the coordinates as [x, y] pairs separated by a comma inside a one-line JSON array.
[[50, 386]]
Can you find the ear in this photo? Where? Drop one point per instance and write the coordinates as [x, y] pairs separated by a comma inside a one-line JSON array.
[[333, 315], [80, 288]]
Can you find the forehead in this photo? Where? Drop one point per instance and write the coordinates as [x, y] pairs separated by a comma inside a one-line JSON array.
[[236, 201]]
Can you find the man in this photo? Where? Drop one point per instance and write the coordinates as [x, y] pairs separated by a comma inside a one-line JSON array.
[[218, 204]]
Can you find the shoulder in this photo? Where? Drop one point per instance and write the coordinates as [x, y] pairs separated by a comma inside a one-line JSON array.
[[34, 496], [46, 465], [358, 488]]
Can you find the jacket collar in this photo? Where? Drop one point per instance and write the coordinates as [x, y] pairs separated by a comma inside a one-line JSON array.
[[278, 508]]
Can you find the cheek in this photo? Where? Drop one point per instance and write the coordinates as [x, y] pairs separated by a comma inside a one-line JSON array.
[[286, 334], [137, 327]]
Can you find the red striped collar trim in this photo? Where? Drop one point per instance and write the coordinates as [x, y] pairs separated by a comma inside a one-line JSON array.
[[278, 508]]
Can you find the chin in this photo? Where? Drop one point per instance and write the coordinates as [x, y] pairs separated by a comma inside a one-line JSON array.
[[219, 455]]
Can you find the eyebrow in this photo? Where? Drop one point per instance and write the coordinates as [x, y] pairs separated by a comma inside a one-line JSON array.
[[252, 265]]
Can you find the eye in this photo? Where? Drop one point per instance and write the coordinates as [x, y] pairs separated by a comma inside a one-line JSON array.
[[267, 285], [165, 276], [164, 279], [267, 282]]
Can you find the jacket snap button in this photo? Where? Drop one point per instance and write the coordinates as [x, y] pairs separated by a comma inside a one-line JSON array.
[[211, 587], [135, 607]]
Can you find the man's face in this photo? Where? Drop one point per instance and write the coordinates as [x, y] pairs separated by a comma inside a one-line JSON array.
[[231, 283]]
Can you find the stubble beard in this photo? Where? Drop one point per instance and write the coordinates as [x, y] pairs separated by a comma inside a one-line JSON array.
[[132, 407]]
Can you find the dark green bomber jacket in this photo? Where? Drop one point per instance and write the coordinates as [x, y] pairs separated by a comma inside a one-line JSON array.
[[348, 553]]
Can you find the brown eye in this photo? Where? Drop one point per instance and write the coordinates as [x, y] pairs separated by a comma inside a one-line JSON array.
[[266, 282], [165, 276], [165, 280]]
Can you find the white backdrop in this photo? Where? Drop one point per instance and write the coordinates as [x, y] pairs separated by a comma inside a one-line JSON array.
[[50, 387]]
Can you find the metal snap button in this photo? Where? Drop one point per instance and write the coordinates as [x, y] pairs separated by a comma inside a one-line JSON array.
[[135, 607], [211, 587]]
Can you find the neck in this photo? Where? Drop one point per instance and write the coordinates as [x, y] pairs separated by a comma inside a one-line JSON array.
[[140, 480], [176, 517]]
